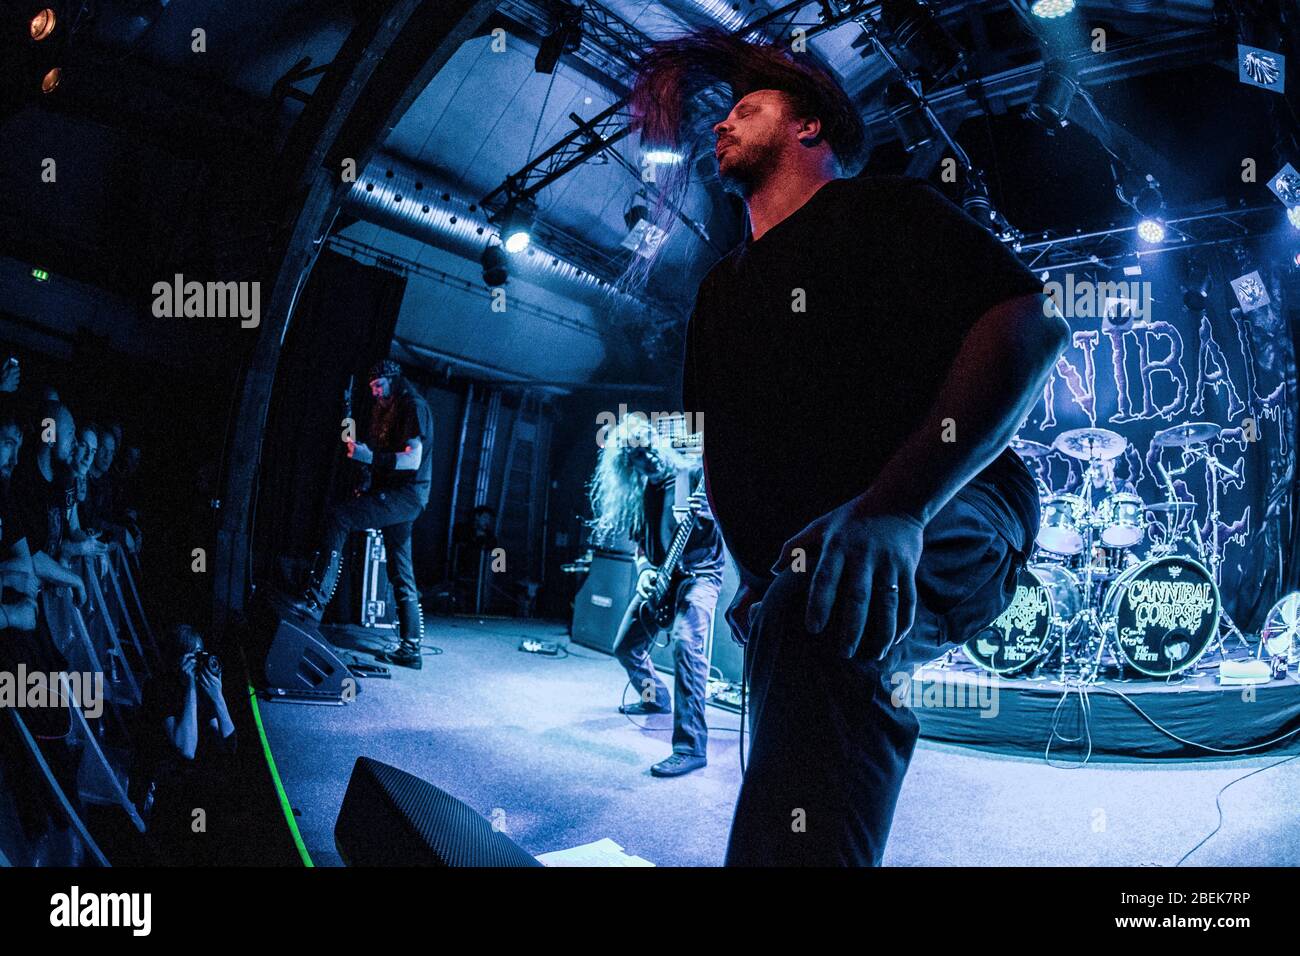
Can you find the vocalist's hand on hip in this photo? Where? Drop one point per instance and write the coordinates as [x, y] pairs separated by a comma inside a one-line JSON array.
[[864, 579]]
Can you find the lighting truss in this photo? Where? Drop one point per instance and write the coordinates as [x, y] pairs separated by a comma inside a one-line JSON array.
[[1110, 248]]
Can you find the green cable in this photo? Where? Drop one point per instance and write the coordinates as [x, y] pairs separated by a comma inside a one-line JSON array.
[[275, 778]]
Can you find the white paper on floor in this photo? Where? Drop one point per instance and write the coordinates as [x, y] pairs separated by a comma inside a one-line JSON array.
[[601, 853]]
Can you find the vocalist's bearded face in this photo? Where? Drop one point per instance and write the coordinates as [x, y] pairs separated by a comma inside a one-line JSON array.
[[750, 140]]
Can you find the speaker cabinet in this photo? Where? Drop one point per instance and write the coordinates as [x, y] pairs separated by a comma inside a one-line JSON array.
[[299, 663], [393, 818], [601, 602]]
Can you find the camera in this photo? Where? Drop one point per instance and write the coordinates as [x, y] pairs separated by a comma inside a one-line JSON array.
[[205, 661]]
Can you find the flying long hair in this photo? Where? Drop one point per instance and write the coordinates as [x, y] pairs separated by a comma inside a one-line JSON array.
[[665, 107], [674, 72], [617, 489]]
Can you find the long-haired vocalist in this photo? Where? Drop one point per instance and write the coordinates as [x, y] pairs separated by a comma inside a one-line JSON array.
[[637, 481], [862, 359], [400, 469]]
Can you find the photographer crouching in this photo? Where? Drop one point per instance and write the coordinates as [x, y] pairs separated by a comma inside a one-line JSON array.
[[187, 745]]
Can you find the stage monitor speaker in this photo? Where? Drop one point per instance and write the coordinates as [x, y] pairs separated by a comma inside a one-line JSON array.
[[392, 818], [300, 664], [601, 602]]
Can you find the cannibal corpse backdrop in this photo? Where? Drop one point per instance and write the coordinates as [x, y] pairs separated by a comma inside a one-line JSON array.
[[1169, 364]]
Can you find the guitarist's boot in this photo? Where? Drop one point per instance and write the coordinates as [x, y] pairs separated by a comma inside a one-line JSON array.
[[411, 623], [321, 581]]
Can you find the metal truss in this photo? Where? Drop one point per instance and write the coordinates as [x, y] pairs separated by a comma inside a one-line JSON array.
[[1111, 248]]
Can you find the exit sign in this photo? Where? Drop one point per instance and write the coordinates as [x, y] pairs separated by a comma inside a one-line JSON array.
[[40, 275]]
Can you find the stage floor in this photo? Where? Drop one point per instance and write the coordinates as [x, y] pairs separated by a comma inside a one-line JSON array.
[[540, 740]]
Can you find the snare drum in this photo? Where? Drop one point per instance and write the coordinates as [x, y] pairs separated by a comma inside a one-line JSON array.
[[1047, 599], [1122, 521], [1060, 530]]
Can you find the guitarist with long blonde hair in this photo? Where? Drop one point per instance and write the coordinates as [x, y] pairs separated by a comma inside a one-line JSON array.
[[633, 492]]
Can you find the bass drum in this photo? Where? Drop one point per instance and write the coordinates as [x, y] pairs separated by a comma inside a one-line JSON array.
[[1163, 614], [1047, 598]]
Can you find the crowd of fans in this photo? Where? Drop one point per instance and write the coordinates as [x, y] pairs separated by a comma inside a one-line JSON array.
[[70, 538]]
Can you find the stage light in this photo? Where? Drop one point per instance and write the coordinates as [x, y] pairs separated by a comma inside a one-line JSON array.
[[917, 29], [1053, 96], [42, 24], [565, 36], [50, 81], [638, 210], [1293, 217], [907, 113], [1051, 9], [1196, 300], [518, 227], [496, 266], [517, 241], [662, 157], [1151, 230], [975, 200]]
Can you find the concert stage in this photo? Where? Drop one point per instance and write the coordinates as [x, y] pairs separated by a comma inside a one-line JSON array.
[[1110, 720], [539, 740]]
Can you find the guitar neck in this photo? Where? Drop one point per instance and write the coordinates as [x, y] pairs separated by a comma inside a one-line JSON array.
[[678, 545]]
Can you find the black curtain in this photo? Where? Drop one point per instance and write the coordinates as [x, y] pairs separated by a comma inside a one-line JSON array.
[[343, 324]]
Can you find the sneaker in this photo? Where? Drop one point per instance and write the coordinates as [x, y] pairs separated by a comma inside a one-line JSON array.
[[641, 709], [678, 764], [404, 655]]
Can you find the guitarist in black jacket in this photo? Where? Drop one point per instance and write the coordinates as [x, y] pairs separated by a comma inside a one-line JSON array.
[[633, 493]]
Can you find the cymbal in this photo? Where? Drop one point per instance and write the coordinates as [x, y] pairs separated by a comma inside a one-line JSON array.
[[1172, 506], [1029, 449], [1188, 433], [1090, 443]]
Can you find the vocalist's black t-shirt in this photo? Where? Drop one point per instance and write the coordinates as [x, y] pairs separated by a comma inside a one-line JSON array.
[[816, 351]]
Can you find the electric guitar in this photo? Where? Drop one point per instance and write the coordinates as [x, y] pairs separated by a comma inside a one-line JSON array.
[[659, 586], [359, 475]]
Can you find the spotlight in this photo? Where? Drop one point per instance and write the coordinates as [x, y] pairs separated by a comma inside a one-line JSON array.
[[908, 115], [1149, 202], [42, 24], [975, 199], [1151, 230], [643, 236], [565, 36], [1196, 301], [1051, 9], [662, 157], [496, 266], [917, 29], [1293, 217], [517, 231], [1052, 98], [50, 81], [638, 210]]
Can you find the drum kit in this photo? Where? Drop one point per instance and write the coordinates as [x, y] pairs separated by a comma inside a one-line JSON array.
[[1114, 582]]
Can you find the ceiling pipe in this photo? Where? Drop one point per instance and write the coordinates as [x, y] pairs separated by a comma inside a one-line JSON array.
[[422, 204]]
